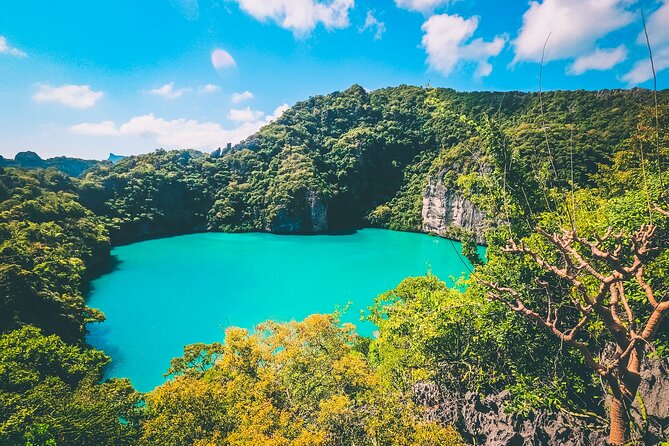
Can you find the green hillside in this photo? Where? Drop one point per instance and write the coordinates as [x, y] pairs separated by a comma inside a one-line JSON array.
[[567, 189]]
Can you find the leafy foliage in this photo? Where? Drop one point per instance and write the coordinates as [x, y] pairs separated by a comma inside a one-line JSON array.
[[357, 158], [300, 383], [366, 158], [49, 394], [48, 240], [466, 343]]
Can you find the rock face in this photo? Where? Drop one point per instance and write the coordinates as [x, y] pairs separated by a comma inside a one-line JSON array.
[[309, 216], [447, 213], [483, 421], [318, 213], [654, 392]]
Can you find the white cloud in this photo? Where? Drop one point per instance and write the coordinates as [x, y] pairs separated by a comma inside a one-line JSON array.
[[244, 115], [238, 98], [209, 88], [600, 59], [372, 23], [5, 48], [221, 59], [445, 41], [176, 133], [300, 16], [75, 96], [168, 91], [424, 6], [642, 72], [575, 26], [104, 128], [657, 26], [278, 112], [179, 133]]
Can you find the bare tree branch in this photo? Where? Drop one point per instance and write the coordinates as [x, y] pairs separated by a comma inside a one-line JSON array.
[[612, 259]]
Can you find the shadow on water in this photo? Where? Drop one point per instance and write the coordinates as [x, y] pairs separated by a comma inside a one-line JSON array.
[[335, 233], [112, 264], [341, 232], [100, 339]]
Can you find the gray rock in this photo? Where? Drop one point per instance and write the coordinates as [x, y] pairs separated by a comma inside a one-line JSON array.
[[483, 421], [448, 213], [286, 221], [654, 393], [307, 216], [318, 213]]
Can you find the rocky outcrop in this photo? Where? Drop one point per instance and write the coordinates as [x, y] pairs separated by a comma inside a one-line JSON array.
[[318, 211], [651, 409], [308, 217], [482, 420], [448, 213]]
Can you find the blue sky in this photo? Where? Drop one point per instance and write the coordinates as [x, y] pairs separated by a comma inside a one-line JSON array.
[[85, 78]]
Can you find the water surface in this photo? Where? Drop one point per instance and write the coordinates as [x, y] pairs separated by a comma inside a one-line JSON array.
[[167, 293]]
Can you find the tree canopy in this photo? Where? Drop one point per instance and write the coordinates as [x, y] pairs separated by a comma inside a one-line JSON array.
[[567, 191]]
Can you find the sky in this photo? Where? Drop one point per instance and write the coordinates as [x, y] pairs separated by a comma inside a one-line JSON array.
[[86, 78]]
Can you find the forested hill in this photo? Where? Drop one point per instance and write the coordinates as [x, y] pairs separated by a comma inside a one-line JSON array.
[[558, 338], [395, 157], [30, 160]]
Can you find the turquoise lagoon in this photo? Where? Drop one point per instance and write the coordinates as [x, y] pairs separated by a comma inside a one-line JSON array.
[[166, 293]]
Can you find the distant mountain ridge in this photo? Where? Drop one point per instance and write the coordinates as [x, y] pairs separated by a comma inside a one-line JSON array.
[[113, 158], [73, 167]]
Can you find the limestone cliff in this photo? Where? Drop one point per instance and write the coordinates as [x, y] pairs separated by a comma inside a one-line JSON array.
[[309, 216], [318, 213], [448, 213]]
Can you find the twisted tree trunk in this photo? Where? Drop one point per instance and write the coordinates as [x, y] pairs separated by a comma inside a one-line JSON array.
[[619, 419], [613, 261]]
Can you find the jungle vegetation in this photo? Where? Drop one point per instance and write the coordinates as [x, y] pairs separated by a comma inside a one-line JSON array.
[[568, 303]]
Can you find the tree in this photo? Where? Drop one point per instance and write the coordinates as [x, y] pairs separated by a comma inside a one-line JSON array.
[[298, 383], [49, 394], [600, 274]]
